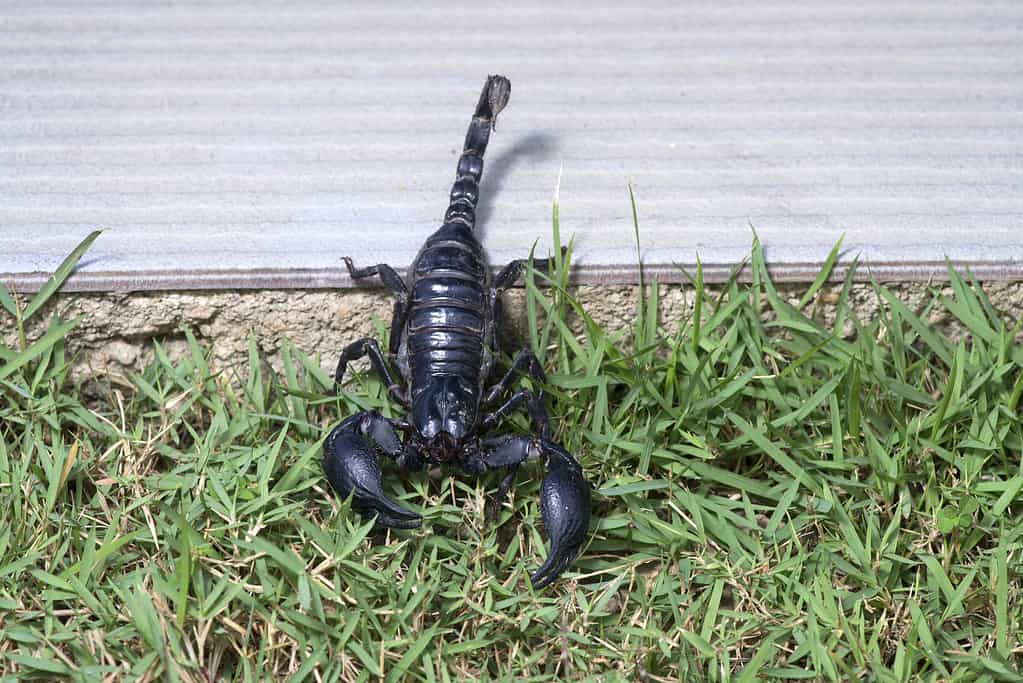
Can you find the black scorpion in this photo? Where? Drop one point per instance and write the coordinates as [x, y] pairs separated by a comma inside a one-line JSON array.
[[444, 342]]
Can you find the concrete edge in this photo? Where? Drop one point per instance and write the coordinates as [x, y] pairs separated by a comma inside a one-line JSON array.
[[336, 278]]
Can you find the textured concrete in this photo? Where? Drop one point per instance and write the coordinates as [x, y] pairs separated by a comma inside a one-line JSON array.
[[233, 145], [117, 334]]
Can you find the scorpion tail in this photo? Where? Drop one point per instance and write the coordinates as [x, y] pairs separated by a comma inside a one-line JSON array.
[[465, 191]]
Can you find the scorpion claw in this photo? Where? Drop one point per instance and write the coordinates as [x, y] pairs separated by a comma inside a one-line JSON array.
[[352, 469], [565, 509]]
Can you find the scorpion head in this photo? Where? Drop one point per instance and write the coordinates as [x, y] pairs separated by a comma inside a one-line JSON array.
[[443, 415], [441, 448]]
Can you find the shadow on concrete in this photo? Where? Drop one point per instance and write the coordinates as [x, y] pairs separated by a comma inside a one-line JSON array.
[[534, 147]]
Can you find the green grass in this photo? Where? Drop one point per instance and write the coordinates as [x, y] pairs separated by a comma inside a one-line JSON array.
[[777, 500]]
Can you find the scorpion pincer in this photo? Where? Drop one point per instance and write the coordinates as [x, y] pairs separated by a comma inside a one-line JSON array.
[[443, 344]]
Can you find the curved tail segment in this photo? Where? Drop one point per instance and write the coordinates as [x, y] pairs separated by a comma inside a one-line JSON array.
[[465, 191]]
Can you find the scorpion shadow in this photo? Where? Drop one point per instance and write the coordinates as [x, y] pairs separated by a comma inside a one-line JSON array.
[[535, 147]]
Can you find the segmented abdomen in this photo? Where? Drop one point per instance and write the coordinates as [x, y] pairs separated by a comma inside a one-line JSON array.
[[448, 309]]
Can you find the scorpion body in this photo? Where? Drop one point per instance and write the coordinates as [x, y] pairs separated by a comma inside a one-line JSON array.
[[443, 343]]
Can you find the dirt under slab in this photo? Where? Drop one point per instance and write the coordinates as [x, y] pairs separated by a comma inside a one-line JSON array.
[[117, 331]]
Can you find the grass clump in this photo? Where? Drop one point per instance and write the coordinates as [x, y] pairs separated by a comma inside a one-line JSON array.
[[776, 500]]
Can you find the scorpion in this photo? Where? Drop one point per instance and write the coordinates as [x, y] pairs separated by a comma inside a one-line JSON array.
[[444, 342]]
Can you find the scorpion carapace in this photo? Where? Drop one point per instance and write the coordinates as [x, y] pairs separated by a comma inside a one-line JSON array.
[[443, 344]]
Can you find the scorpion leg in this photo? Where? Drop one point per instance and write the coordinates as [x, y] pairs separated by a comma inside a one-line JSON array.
[[537, 413], [350, 463], [533, 401], [505, 279], [564, 498], [509, 275], [541, 423], [368, 346], [524, 360], [398, 288]]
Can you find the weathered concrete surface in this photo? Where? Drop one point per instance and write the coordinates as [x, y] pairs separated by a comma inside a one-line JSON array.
[[218, 143], [117, 332]]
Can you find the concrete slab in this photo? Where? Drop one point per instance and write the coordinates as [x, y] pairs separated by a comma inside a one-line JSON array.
[[252, 144]]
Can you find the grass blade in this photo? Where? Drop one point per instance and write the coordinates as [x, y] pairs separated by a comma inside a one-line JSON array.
[[62, 273]]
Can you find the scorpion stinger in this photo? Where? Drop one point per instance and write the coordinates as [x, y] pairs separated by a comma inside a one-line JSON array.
[[443, 345]]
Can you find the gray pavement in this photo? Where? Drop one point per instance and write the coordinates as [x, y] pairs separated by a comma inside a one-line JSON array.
[[253, 144]]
